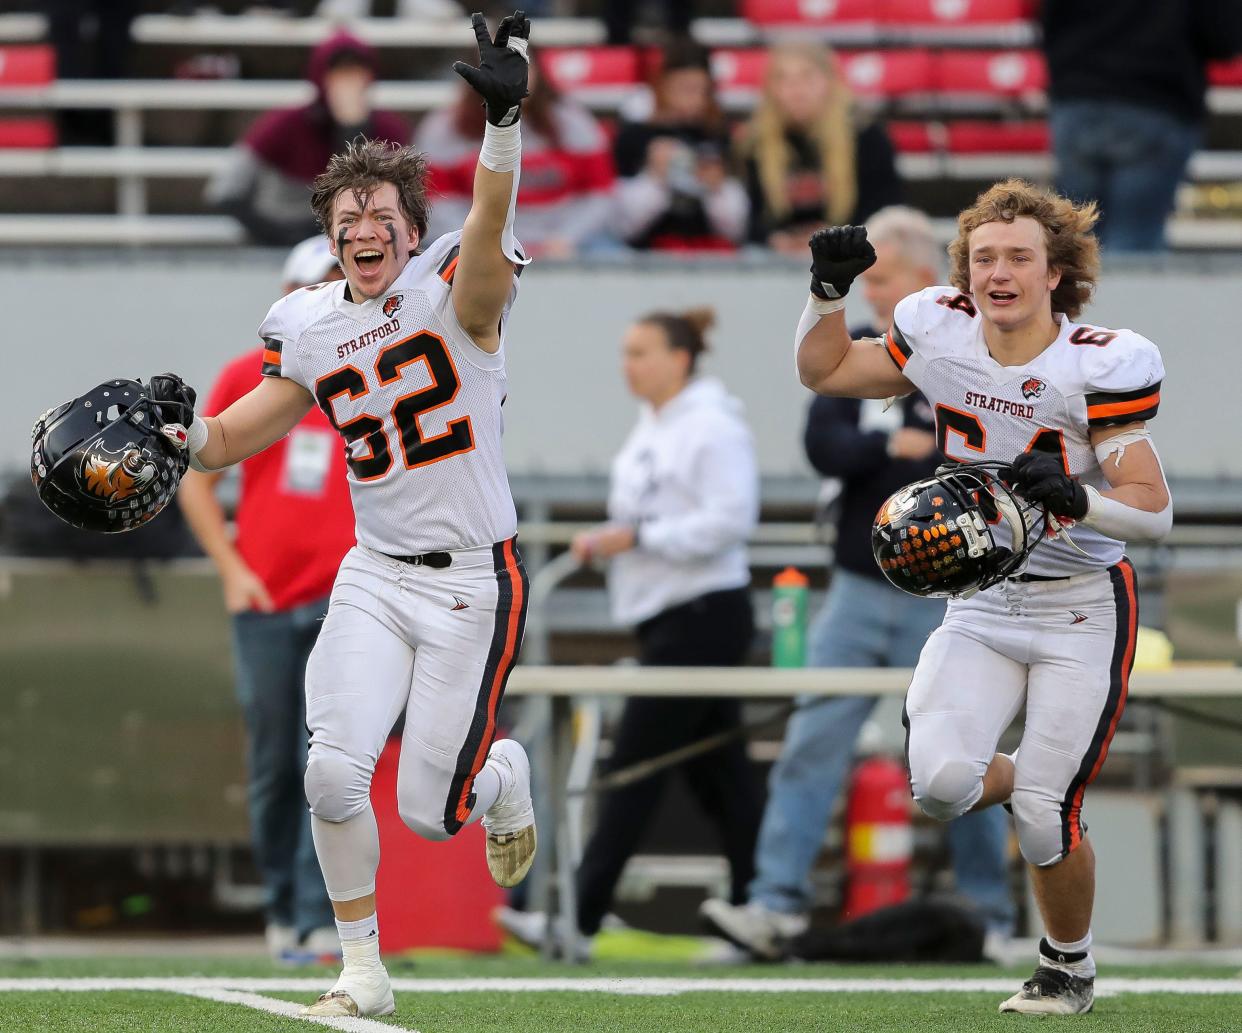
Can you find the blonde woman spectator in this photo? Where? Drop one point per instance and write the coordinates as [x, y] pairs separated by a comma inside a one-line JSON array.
[[810, 159]]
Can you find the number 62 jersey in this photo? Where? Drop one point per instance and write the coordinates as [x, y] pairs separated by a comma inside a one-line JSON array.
[[417, 402], [1088, 377]]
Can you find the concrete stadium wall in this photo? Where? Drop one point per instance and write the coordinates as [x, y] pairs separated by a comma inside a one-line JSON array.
[[74, 321]]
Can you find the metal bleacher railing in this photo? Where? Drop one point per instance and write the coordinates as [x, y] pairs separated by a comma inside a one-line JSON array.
[[909, 75]]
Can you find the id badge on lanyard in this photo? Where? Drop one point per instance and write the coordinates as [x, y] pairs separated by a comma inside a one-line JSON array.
[[308, 459]]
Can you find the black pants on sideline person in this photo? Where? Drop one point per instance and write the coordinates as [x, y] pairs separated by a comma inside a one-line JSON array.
[[714, 630]]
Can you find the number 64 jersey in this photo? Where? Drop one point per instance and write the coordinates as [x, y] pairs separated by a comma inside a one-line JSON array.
[[416, 400], [1088, 377]]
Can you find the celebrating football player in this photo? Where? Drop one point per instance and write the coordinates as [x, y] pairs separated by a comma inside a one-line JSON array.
[[406, 358], [1014, 378]]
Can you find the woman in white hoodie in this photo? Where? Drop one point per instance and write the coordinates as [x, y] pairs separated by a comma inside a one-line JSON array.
[[683, 501]]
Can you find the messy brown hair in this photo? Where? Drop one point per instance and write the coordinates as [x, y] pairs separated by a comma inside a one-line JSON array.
[[684, 331], [363, 167], [1073, 250]]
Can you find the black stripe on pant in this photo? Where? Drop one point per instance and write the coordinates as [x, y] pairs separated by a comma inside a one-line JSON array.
[[510, 623], [1125, 596], [714, 630]]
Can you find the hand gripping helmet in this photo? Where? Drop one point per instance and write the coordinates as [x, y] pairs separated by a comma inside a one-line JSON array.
[[956, 533], [107, 461]]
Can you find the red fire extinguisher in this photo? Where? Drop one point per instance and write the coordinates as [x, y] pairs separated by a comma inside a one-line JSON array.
[[879, 840]]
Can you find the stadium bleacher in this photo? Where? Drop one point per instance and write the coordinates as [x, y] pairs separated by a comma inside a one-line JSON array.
[[958, 80]]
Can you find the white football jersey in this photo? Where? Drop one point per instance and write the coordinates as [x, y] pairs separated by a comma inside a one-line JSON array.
[[416, 400], [1088, 377]]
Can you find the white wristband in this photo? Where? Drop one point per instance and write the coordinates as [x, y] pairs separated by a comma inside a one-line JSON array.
[[826, 306], [1125, 523], [195, 438], [502, 147]]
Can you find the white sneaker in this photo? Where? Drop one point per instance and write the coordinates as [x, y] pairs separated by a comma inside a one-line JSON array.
[[358, 990], [510, 821], [280, 939], [321, 941], [1051, 991], [530, 928], [753, 927]]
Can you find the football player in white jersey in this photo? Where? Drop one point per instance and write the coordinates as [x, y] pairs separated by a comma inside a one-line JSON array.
[[406, 357], [1013, 378]]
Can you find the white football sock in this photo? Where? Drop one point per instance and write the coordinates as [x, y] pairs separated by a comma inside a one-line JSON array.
[[487, 789], [348, 853], [362, 929], [356, 953]]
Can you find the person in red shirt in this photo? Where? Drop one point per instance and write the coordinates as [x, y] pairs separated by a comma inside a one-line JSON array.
[[294, 524]]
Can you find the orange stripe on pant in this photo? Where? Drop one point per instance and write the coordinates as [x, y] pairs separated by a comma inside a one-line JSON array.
[[500, 676], [1127, 659]]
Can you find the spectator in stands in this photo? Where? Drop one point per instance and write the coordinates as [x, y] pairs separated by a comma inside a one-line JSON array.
[[620, 15], [675, 191], [1127, 82], [294, 524], [684, 499], [810, 158], [88, 47], [870, 450], [266, 184], [566, 192]]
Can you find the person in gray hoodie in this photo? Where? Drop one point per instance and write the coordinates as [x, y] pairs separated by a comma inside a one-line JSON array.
[[684, 499]]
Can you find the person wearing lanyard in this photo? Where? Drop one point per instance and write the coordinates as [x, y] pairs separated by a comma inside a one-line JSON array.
[[294, 524], [684, 499]]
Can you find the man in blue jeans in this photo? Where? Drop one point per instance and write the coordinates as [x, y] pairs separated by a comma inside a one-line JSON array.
[[294, 522], [873, 451], [1127, 81]]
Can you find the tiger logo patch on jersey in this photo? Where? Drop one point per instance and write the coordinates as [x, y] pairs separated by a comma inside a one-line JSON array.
[[392, 304], [1032, 387]]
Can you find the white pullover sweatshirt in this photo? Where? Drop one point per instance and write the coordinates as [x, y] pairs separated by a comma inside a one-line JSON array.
[[687, 480]]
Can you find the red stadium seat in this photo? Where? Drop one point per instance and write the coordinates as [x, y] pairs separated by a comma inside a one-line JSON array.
[[947, 13], [911, 137], [570, 68], [32, 134], [891, 73], [1226, 73], [812, 12], [970, 137], [27, 66], [739, 69], [1004, 73]]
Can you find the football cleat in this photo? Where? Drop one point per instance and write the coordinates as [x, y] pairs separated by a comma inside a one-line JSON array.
[[359, 990], [510, 821], [753, 927], [1052, 991]]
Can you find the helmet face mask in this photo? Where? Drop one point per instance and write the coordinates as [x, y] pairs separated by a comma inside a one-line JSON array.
[[956, 533], [101, 461]]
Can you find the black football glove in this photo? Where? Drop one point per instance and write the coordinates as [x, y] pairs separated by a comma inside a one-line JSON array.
[[838, 254], [173, 397], [1041, 477], [501, 76]]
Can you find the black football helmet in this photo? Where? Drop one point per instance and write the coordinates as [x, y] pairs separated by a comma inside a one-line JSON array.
[[956, 533], [110, 459]]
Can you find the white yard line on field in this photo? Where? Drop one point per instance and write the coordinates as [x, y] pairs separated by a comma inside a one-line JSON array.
[[292, 1010], [643, 985]]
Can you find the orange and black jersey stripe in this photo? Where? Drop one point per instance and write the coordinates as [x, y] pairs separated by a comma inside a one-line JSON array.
[[449, 266], [1109, 408], [271, 357], [897, 346]]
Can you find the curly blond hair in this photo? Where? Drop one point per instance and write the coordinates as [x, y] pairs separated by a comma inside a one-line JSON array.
[[1073, 250]]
